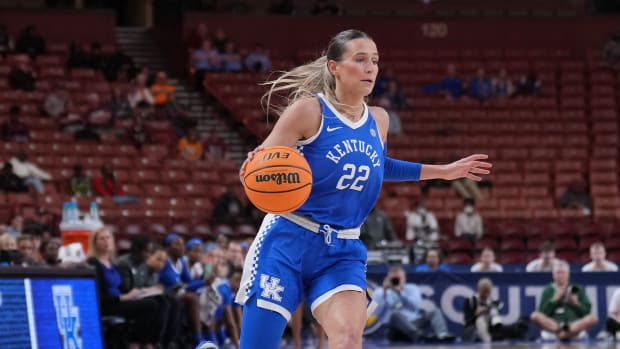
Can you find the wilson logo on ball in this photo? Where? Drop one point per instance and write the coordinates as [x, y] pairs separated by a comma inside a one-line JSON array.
[[279, 178]]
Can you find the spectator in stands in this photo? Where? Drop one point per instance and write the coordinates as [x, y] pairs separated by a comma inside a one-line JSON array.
[[22, 76], [8, 242], [400, 310], [25, 246], [234, 257], [283, 7], [30, 42], [451, 85], [546, 260], [205, 59], [214, 145], [487, 262], [57, 102], [193, 253], [139, 134], [140, 96], [502, 85], [480, 86], [80, 183], [482, 319], [177, 280], [148, 74], [49, 252], [258, 60], [17, 225], [599, 261], [97, 115], [468, 223], [116, 299], [323, 7], [377, 230], [433, 262], [162, 91], [231, 59], [190, 147], [395, 127], [14, 130], [220, 40], [32, 175], [384, 79], [97, 59], [398, 100], [6, 42], [119, 106], [564, 309], [106, 184], [228, 208], [197, 36], [611, 52], [612, 325], [422, 225], [576, 197], [119, 67], [10, 182], [529, 85]]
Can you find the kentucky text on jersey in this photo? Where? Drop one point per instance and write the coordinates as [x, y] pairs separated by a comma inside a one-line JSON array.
[[353, 145]]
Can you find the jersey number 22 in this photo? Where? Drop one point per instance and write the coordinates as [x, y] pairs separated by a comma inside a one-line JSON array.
[[354, 177]]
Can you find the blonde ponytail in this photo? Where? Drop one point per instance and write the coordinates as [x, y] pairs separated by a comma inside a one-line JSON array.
[[301, 82]]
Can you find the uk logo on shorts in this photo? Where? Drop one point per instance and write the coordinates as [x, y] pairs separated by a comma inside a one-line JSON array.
[[271, 287]]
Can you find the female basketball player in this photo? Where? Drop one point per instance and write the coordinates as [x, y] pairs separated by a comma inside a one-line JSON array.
[[315, 253]]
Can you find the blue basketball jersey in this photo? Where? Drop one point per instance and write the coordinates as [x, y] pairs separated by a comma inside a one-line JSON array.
[[346, 159]]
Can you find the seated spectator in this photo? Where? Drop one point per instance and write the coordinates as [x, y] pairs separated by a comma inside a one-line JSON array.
[[398, 100], [197, 36], [576, 197], [377, 229], [162, 91], [258, 60], [234, 257], [10, 182], [451, 86], [487, 263], [612, 325], [119, 106], [502, 85], [140, 96], [80, 183], [78, 56], [228, 208], [30, 42], [17, 225], [231, 59], [599, 263], [194, 257], [400, 310], [190, 147], [97, 59], [546, 260], [323, 7], [205, 59], [32, 175], [22, 76], [529, 85], [149, 75], [215, 147], [480, 86], [611, 52], [119, 67], [49, 252], [97, 115], [422, 225], [482, 319], [57, 102], [25, 246], [139, 134], [175, 277], [14, 130], [433, 262], [106, 184], [383, 81], [220, 40], [468, 223], [564, 310], [6, 42], [116, 299], [8, 242]]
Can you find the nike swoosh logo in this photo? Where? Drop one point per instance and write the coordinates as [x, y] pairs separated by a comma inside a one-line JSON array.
[[330, 129]]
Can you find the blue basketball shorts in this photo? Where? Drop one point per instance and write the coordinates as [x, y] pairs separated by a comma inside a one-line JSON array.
[[287, 263]]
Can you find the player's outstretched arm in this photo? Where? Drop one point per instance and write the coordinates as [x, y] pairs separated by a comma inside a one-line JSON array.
[[469, 167]]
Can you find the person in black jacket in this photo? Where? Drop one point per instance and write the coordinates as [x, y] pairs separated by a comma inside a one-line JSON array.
[[115, 300], [10, 182]]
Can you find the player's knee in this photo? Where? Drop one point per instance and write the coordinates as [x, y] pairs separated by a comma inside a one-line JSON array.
[[347, 336], [592, 319], [535, 317]]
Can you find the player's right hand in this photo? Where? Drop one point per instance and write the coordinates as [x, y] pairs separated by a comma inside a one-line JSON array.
[[248, 159]]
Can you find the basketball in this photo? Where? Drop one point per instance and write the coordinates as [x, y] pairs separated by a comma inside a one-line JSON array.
[[278, 180]]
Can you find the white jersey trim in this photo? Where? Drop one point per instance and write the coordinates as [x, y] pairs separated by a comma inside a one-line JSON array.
[[261, 303], [327, 295], [344, 119]]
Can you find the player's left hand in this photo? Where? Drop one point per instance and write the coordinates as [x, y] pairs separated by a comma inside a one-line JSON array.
[[469, 167]]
